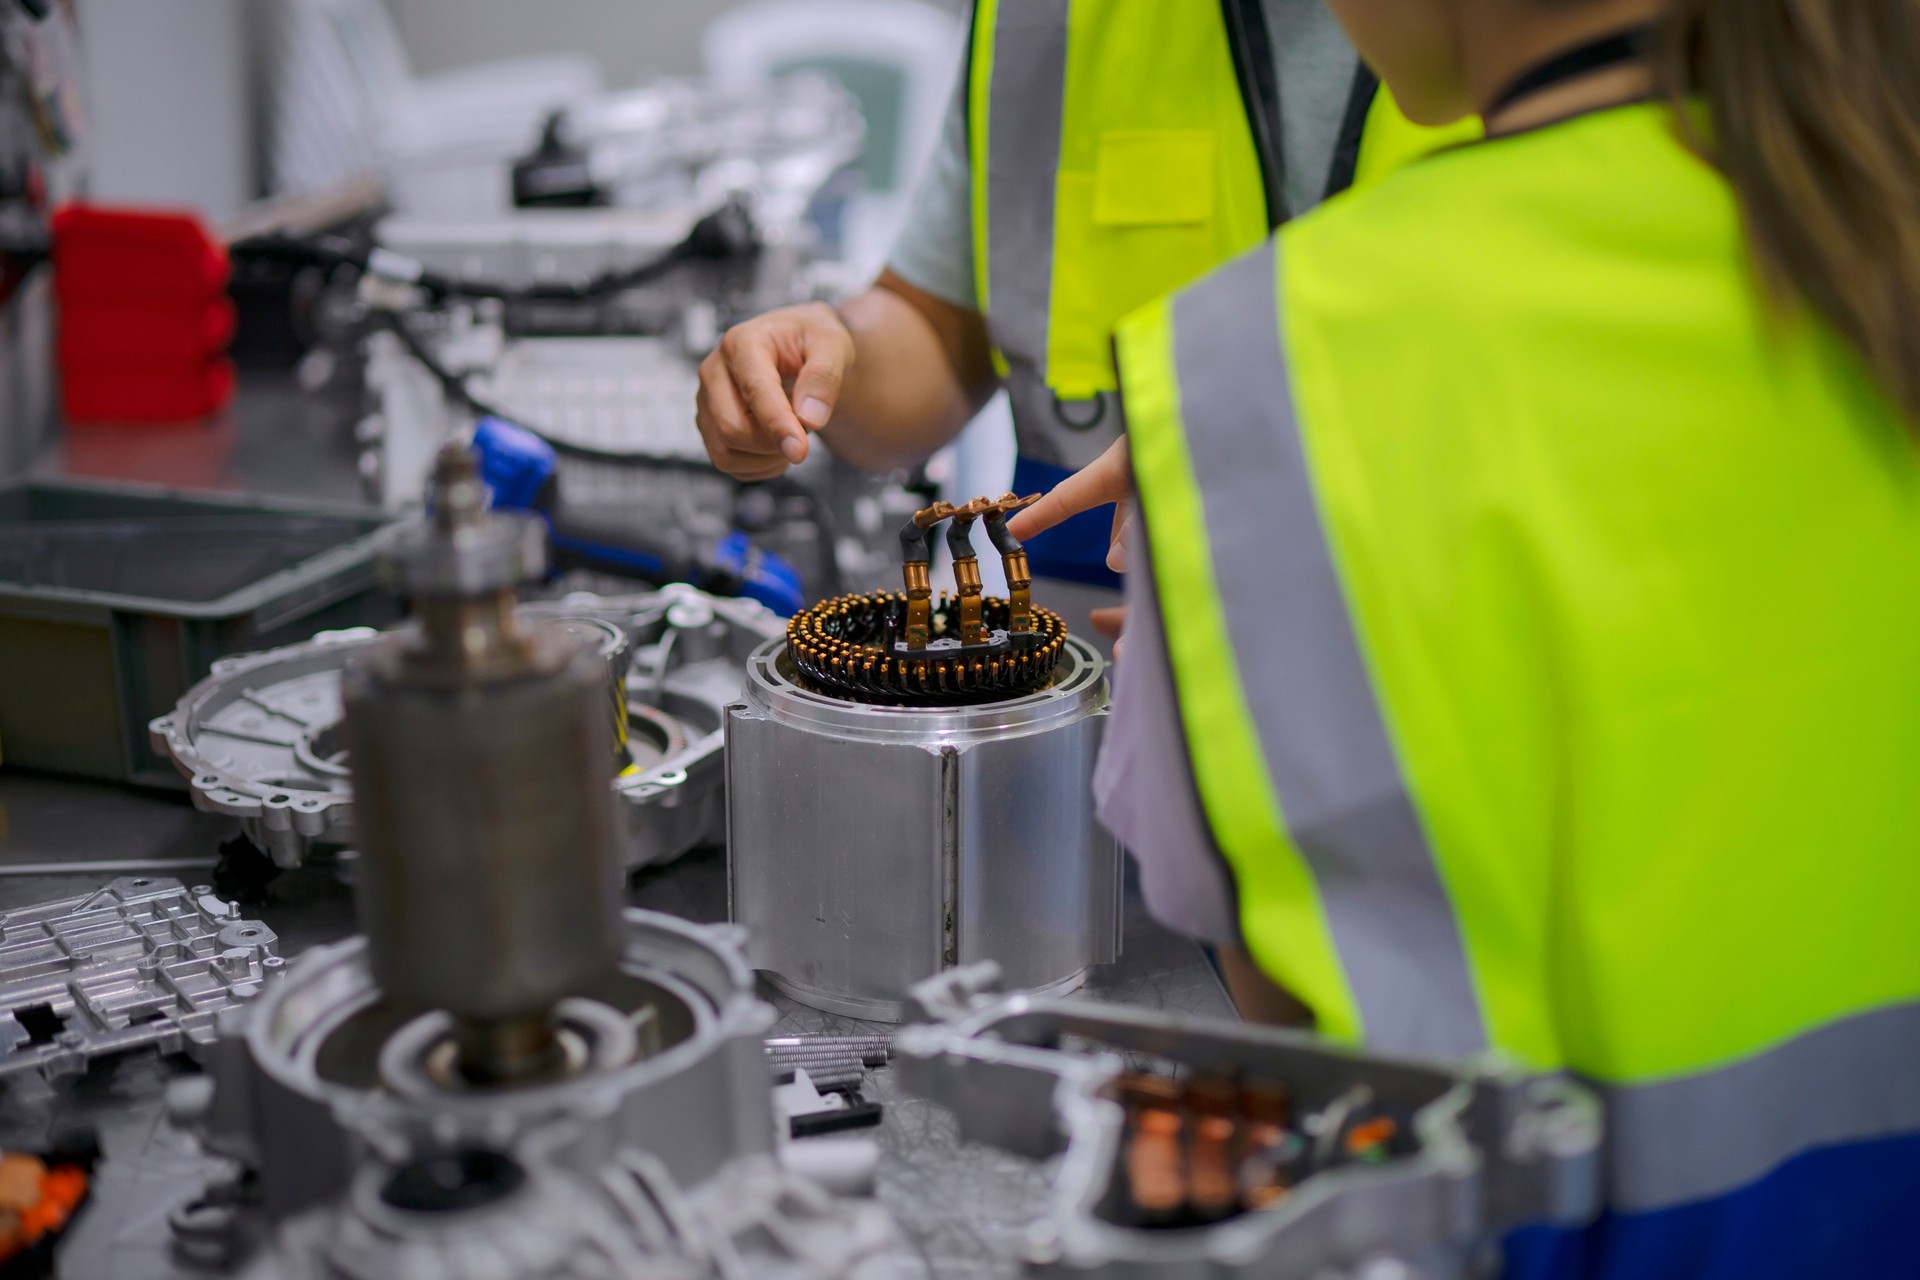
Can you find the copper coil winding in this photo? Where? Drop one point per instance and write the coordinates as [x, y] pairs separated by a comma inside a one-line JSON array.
[[846, 647]]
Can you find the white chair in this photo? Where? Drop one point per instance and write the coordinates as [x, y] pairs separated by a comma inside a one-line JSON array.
[[897, 57]]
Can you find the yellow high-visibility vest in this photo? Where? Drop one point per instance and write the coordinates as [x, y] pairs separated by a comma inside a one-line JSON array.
[[1545, 614], [1114, 159]]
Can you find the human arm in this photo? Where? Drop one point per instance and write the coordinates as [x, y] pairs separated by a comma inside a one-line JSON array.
[[887, 379], [892, 376]]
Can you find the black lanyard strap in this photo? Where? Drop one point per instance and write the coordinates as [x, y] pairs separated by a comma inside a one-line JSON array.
[[1582, 60]]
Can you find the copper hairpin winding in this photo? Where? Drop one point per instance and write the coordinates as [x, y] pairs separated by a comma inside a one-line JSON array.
[[905, 648]]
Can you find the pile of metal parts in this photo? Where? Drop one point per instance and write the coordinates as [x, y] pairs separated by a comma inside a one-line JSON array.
[[142, 963], [260, 738], [508, 1076], [1192, 1147], [523, 325], [903, 650], [910, 789], [619, 408], [831, 1061]]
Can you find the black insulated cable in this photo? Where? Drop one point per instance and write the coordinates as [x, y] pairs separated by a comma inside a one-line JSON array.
[[725, 235]]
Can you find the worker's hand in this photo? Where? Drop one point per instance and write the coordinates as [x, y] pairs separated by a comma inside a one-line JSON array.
[[1108, 478], [772, 380], [1111, 623]]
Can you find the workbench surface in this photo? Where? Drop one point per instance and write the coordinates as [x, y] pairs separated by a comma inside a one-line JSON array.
[[963, 1210]]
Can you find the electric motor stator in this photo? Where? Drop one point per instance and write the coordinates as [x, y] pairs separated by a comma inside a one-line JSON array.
[[909, 788]]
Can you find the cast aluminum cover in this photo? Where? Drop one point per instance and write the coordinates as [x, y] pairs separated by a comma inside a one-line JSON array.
[[144, 962], [1495, 1148], [668, 1165], [259, 738]]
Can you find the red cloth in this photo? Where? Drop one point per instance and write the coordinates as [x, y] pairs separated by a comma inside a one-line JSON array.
[[144, 316], [159, 393]]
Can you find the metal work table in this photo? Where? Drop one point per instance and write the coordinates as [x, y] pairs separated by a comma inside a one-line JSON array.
[[963, 1210]]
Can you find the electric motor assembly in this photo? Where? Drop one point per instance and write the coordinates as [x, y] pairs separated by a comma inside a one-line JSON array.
[[511, 1077], [843, 648], [910, 788]]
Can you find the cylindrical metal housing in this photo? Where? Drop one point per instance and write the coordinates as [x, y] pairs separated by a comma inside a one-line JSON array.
[[870, 847], [490, 841]]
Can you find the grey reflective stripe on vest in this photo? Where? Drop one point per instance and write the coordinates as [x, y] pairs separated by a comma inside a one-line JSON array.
[[1065, 433], [1305, 680], [1024, 114], [1700, 1136]]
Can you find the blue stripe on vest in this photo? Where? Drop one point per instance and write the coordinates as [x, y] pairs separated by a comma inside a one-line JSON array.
[[1075, 550], [1844, 1211]]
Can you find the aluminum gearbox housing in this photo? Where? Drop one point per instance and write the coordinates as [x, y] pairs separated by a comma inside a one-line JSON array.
[[259, 739], [871, 845], [656, 1155], [1374, 1166]]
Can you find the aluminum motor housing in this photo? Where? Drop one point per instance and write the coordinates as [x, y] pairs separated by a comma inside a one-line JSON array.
[[667, 1167], [869, 846]]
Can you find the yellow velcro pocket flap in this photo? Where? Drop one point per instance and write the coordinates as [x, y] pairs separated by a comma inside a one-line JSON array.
[[1153, 177]]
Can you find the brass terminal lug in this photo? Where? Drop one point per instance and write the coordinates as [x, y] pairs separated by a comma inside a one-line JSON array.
[[966, 570], [919, 605], [1013, 558], [913, 569]]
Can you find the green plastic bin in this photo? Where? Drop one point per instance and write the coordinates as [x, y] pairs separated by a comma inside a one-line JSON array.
[[115, 599]]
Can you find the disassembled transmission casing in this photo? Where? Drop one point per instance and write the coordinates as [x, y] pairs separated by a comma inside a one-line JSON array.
[[667, 1157], [871, 844], [1481, 1149], [508, 1077], [143, 962], [259, 738]]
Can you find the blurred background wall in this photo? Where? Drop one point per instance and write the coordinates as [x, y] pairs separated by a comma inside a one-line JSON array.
[[631, 39], [169, 102], [175, 98]]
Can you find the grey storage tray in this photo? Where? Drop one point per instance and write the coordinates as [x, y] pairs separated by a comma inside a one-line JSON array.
[[115, 599]]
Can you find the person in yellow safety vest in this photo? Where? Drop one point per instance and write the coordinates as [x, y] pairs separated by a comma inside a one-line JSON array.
[[1098, 154], [1530, 582]]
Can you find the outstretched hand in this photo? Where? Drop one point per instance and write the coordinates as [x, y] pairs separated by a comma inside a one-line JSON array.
[[1108, 478]]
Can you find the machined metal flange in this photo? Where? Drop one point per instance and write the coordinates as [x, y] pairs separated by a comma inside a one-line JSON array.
[[305, 1083]]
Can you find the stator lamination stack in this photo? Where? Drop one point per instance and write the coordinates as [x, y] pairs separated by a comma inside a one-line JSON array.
[[909, 783]]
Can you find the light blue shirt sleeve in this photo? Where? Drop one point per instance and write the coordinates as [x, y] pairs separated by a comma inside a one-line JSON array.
[[1315, 65], [1142, 784], [935, 248]]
